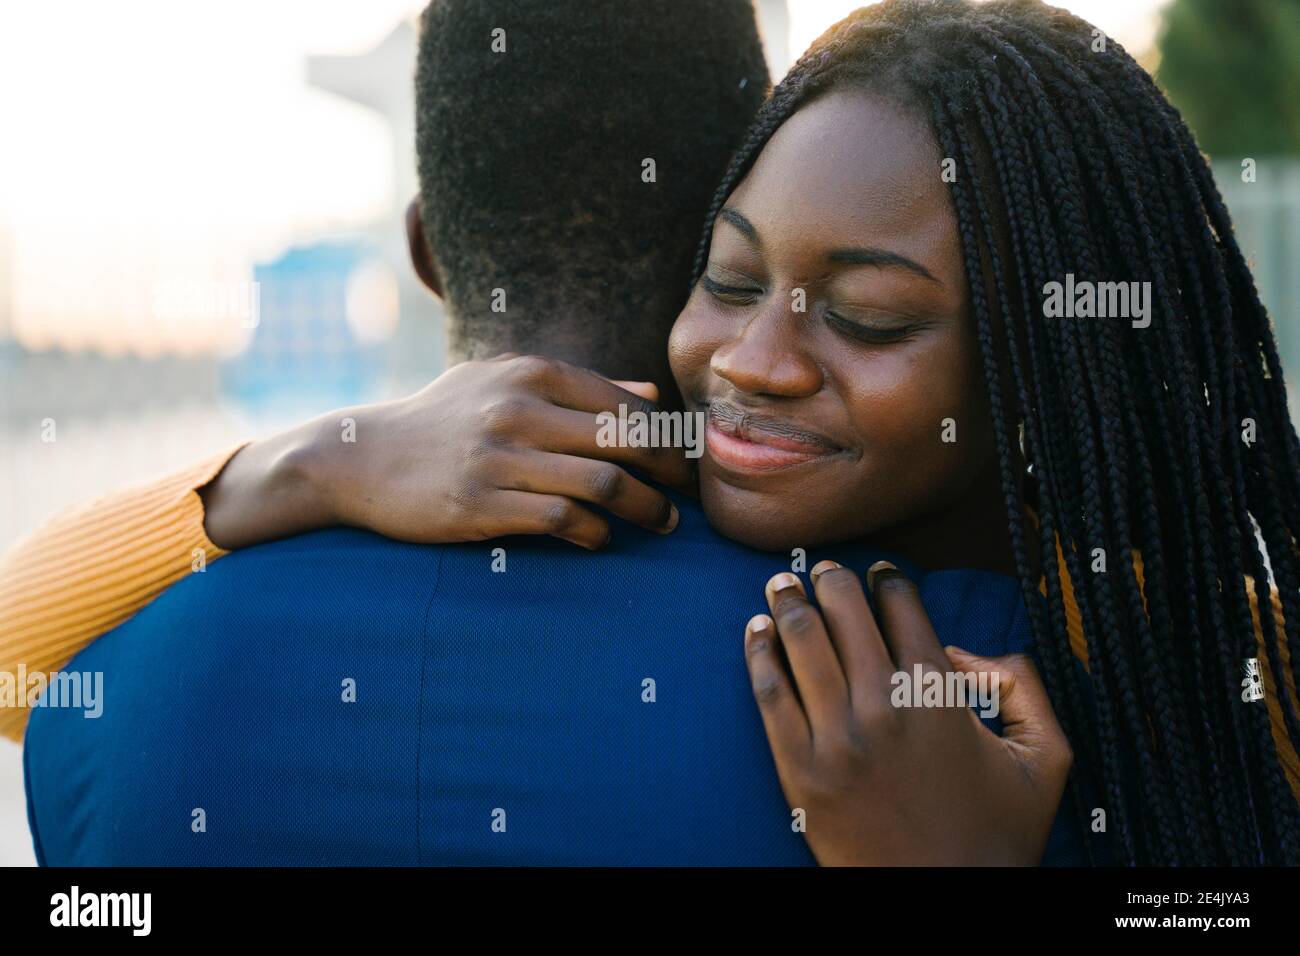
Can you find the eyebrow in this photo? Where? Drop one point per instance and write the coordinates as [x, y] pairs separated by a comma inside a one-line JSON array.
[[879, 257], [740, 222], [856, 257]]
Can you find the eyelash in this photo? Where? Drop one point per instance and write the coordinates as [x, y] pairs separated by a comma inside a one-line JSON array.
[[735, 295], [865, 334], [732, 295]]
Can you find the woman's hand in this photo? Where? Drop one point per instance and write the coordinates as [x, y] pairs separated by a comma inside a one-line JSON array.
[[490, 448], [892, 785]]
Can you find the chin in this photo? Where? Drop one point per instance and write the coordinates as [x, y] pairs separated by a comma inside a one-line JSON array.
[[765, 522]]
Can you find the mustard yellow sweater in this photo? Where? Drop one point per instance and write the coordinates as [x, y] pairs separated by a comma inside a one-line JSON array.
[[92, 567]]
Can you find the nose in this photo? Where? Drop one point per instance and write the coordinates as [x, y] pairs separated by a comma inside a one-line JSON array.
[[767, 356]]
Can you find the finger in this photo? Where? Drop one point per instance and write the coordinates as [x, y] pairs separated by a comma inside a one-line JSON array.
[[523, 512], [578, 388], [853, 628], [903, 620], [816, 669], [572, 432], [1028, 722], [647, 390], [599, 482], [783, 717], [583, 390]]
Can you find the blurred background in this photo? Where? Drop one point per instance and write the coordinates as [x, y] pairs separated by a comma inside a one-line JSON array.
[[201, 219]]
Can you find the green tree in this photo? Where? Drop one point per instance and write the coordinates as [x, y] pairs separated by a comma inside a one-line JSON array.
[[1233, 68]]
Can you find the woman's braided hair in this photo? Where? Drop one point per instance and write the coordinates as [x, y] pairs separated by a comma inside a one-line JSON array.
[[1068, 159]]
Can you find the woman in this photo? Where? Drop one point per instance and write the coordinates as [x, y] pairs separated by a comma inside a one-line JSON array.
[[891, 181], [921, 177]]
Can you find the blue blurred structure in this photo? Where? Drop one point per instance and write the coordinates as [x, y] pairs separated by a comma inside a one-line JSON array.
[[303, 354]]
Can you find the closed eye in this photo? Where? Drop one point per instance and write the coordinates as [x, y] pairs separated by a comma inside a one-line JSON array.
[[871, 334], [731, 294]]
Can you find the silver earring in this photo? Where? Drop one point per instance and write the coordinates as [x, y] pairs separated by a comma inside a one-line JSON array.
[[1029, 465]]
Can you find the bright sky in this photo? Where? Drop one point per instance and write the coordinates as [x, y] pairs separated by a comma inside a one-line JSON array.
[[163, 143], [172, 143], [1132, 22]]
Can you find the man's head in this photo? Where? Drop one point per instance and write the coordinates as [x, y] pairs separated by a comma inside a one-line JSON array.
[[567, 155]]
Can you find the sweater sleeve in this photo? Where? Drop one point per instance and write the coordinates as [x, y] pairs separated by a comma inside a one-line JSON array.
[[1286, 751], [90, 568]]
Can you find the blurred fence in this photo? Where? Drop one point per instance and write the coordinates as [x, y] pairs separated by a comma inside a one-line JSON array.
[[1266, 214]]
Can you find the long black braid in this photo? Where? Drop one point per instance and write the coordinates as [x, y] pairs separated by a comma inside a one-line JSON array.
[[1070, 160]]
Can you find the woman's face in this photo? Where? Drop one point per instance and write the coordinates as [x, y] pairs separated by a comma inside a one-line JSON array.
[[865, 411]]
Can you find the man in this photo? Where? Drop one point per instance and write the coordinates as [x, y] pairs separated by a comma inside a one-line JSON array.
[[339, 697]]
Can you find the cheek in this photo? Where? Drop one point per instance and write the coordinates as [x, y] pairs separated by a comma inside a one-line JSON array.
[[921, 413], [696, 334]]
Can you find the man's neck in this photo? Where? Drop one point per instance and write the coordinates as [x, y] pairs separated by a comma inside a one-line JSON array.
[[646, 363]]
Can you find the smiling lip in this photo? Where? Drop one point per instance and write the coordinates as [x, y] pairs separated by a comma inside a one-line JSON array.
[[738, 440]]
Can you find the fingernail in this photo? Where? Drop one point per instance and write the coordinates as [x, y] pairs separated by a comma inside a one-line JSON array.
[[782, 581], [822, 567], [673, 518], [758, 623], [875, 569]]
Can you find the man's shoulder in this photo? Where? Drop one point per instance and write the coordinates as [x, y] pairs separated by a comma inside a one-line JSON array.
[[338, 575], [305, 576], [336, 582], [363, 561]]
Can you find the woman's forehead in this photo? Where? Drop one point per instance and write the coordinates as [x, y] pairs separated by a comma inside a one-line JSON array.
[[852, 169], [848, 155]]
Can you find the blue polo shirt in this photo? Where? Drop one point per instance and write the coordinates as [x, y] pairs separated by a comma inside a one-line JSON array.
[[340, 698]]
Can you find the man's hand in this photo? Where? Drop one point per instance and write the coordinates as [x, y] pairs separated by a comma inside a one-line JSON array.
[[887, 785], [490, 448]]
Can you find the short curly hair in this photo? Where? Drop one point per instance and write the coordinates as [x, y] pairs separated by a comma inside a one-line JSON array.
[[531, 160]]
